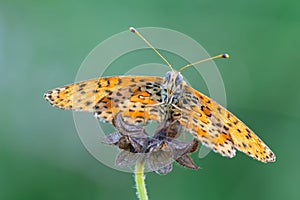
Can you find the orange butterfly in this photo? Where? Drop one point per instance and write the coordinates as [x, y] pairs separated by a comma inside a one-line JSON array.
[[144, 98]]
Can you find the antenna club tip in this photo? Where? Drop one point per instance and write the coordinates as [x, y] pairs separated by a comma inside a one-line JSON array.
[[225, 55], [132, 29]]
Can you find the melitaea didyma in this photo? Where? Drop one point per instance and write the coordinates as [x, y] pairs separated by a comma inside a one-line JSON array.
[[144, 98]]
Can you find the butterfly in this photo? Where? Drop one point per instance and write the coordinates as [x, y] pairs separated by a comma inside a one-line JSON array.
[[140, 99]]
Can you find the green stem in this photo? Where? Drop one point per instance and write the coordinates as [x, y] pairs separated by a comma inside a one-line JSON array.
[[140, 181]]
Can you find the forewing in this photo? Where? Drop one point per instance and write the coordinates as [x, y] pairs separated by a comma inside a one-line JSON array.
[[219, 129], [130, 95]]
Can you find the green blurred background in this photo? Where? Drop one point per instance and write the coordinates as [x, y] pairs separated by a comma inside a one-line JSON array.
[[42, 44]]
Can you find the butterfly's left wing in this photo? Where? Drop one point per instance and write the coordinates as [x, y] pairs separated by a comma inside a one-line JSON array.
[[219, 129], [106, 96]]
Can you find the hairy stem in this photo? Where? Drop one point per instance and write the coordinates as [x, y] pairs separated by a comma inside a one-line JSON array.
[[140, 181]]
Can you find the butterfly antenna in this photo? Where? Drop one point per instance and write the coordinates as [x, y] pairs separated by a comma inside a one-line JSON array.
[[225, 55], [133, 30]]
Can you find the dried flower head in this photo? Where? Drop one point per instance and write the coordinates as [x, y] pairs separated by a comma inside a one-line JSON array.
[[157, 151]]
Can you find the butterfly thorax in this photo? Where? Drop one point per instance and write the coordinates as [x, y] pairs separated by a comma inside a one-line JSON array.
[[172, 88]]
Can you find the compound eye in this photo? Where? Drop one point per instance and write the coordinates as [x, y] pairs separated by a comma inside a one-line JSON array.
[[168, 76], [179, 79]]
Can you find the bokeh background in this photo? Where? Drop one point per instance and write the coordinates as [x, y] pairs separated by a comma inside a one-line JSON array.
[[42, 44]]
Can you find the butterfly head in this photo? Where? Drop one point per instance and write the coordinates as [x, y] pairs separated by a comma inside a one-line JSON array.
[[172, 86]]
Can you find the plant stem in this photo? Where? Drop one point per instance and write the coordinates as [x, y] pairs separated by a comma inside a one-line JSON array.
[[140, 180]]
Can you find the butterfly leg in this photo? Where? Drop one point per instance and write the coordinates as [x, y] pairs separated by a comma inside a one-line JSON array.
[[188, 113], [144, 118], [148, 107], [186, 110]]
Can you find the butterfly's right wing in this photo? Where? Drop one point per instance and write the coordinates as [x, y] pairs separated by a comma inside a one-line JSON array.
[[219, 129], [105, 97]]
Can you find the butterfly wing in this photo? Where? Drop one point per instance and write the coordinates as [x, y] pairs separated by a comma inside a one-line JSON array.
[[105, 97], [219, 129]]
